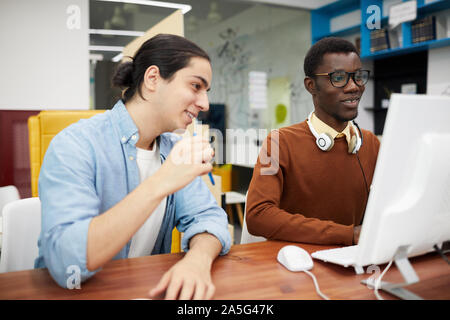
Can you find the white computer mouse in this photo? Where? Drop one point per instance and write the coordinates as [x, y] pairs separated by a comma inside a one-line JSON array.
[[295, 258]]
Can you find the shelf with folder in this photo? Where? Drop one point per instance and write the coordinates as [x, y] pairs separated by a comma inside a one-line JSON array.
[[404, 59], [429, 30], [424, 29], [411, 48], [323, 24]]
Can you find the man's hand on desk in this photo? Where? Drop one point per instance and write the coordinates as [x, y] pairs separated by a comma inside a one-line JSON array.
[[190, 278], [356, 232]]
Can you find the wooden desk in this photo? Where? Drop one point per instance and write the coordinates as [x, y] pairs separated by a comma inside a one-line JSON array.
[[249, 271]]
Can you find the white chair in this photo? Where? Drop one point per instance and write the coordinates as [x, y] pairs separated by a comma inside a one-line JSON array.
[[21, 228], [246, 237], [234, 198], [7, 195]]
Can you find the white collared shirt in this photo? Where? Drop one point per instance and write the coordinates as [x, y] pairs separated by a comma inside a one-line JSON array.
[[348, 132]]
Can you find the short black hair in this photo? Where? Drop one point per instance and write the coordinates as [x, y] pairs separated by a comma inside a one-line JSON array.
[[315, 54]]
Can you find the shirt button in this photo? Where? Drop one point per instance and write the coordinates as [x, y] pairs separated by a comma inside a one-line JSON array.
[[133, 137], [124, 139], [131, 158]]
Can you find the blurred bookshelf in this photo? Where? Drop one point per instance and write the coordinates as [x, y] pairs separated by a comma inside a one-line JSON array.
[[399, 55], [345, 17]]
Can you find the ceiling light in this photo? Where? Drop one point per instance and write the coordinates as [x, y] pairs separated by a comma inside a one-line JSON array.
[[185, 8], [117, 32], [95, 57], [117, 58], [106, 48]]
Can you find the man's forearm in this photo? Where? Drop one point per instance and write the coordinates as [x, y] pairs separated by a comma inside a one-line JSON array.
[[110, 231], [204, 246]]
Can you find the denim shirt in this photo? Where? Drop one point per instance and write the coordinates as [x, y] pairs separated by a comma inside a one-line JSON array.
[[91, 166]]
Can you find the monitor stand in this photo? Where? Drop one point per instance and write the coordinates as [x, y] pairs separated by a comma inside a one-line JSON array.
[[408, 273]]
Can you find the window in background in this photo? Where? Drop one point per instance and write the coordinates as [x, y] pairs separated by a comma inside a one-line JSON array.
[[239, 36]]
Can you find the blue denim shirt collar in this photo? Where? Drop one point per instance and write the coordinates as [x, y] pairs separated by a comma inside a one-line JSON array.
[[123, 122]]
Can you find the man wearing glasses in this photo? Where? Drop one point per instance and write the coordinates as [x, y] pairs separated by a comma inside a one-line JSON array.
[[325, 163]]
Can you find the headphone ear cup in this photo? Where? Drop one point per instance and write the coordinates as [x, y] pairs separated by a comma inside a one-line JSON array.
[[325, 142], [357, 146], [359, 139]]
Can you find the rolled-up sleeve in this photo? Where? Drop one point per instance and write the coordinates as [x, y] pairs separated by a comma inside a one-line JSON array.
[[197, 212], [69, 202]]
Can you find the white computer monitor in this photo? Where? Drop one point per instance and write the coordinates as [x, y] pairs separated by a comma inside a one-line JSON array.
[[409, 202]]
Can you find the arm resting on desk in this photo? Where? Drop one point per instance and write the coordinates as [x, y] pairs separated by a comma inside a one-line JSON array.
[[190, 278]]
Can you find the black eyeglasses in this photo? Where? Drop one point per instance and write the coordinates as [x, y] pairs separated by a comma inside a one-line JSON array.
[[339, 78]]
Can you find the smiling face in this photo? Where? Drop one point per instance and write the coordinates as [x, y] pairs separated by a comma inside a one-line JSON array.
[[336, 106], [183, 96]]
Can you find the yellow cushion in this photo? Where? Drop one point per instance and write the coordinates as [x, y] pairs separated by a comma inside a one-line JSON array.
[[52, 122], [42, 128], [176, 241]]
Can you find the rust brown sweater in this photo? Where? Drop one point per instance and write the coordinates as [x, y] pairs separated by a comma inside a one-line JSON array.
[[314, 196]]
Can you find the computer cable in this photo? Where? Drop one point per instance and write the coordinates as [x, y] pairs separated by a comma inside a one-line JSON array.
[[362, 170], [359, 161], [316, 285], [378, 281], [364, 175]]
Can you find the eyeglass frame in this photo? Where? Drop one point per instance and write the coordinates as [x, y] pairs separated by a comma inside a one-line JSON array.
[[349, 74]]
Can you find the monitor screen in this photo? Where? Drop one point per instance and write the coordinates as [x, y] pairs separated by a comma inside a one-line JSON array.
[[215, 119], [409, 202]]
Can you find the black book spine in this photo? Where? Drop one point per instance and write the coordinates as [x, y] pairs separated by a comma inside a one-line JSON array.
[[433, 28]]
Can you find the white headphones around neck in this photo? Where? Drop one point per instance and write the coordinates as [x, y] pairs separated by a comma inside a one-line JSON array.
[[325, 142]]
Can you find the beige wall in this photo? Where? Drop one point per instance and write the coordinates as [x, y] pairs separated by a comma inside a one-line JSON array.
[[173, 24]]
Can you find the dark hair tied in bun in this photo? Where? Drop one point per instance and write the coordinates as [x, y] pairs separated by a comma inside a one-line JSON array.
[[123, 77], [168, 52]]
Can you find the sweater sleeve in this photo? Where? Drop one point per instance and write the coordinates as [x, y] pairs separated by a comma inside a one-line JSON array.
[[264, 216]]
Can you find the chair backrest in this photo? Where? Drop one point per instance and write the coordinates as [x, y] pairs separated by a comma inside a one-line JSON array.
[[7, 195], [21, 228], [246, 237], [42, 128]]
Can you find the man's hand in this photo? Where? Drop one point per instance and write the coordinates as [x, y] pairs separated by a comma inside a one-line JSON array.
[[190, 278], [187, 279], [188, 159]]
